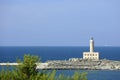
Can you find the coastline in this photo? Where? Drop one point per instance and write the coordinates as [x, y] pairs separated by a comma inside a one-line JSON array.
[[79, 63], [75, 64]]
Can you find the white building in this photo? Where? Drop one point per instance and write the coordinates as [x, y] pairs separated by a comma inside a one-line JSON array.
[[91, 55]]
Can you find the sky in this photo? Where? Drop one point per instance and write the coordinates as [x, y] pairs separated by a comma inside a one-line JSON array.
[[59, 22]]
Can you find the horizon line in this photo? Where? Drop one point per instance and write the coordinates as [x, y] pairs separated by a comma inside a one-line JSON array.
[[53, 46]]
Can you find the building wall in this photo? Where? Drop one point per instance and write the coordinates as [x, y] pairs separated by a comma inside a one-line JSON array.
[[91, 55]]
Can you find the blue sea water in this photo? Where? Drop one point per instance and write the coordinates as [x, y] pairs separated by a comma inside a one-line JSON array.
[[10, 54]]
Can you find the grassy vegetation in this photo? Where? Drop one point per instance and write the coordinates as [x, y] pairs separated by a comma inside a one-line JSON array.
[[27, 71]]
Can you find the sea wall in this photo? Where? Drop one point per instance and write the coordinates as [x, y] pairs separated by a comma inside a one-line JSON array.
[[81, 64], [76, 63]]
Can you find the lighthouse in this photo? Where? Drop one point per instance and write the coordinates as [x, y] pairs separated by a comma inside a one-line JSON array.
[[91, 54], [91, 45]]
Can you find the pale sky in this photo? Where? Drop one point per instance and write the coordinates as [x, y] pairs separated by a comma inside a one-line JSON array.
[[59, 22]]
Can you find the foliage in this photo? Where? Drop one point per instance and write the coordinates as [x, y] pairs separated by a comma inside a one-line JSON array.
[[79, 76], [27, 71]]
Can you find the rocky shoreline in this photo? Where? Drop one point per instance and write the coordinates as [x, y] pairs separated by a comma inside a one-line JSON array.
[[78, 63], [74, 64]]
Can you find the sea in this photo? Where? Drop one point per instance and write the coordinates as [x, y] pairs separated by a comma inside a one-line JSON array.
[[46, 53]]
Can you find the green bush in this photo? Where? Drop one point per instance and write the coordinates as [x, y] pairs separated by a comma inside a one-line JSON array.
[[27, 71]]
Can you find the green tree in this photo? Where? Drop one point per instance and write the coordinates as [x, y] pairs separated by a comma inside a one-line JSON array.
[[27, 69]]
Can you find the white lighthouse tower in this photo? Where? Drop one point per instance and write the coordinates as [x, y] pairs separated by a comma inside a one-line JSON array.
[[91, 45], [91, 55]]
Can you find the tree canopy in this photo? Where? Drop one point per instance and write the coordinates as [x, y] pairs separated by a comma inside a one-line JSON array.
[[26, 70]]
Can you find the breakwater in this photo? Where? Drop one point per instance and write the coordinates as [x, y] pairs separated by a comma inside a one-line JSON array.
[[75, 63]]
